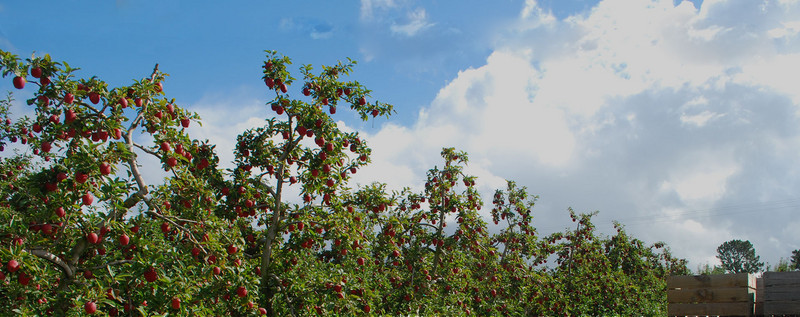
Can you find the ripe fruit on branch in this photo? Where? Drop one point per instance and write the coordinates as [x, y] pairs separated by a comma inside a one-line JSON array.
[[171, 161], [69, 98], [105, 168], [19, 82], [81, 177], [150, 275], [176, 303], [92, 238], [12, 266], [241, 291], [94, 97], [70, 116], [36, 72], [124, 239], [87, 199], [90, 307]]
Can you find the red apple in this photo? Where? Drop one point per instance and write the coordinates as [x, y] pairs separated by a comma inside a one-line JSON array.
[[45, 147], [185, 122], [60, 212], [176, 303], [241, 291], [81, 177], [217, 270], [138, 102], [150, 275], [87, 199], [69, 98], [105, 168], [19, 82], [123, 102], [165, 146], [94, 97], [36, 72], [90, 307], [12, 266], [92, 238], [232, 249], [171, 161], [70, 116], [124, 239]]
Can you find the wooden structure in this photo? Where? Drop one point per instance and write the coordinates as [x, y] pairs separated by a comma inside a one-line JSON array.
[[711, 295], [773, 294], [781, 294]]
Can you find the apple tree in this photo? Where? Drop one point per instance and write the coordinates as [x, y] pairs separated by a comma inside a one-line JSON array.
[[83, 232]]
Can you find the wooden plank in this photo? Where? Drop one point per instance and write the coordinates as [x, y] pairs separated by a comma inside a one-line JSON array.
[[711, 295], [781, 279], [715, 309], [784, 293], [781, 308], [759, 304], [711, 281]]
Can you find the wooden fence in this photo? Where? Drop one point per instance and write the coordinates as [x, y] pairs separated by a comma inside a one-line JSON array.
[[773, 294]]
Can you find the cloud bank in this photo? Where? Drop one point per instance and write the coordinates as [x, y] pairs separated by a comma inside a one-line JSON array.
[[680, 122]]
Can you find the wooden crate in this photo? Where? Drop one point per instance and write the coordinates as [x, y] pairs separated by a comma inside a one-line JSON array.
[[781, 294], [711, 295]]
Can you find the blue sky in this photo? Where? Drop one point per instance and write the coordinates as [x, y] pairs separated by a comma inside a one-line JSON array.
[[678, 118]]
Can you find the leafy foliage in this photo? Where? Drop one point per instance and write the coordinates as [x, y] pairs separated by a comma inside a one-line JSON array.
[[739, 256], [280, 233]]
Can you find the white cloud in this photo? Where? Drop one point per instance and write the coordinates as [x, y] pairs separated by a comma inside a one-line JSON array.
[[700, 119], [368, 7], [786, 29], [417, 22], [633, 108], [534, 16]]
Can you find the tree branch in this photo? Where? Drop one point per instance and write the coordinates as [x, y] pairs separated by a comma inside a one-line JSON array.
[[55, 260]]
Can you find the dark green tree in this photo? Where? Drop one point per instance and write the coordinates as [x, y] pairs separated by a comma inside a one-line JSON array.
[[795, 265], [739, 256]]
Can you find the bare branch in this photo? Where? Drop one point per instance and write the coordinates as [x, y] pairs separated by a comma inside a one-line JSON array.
[[146, 150], [55, 260]]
